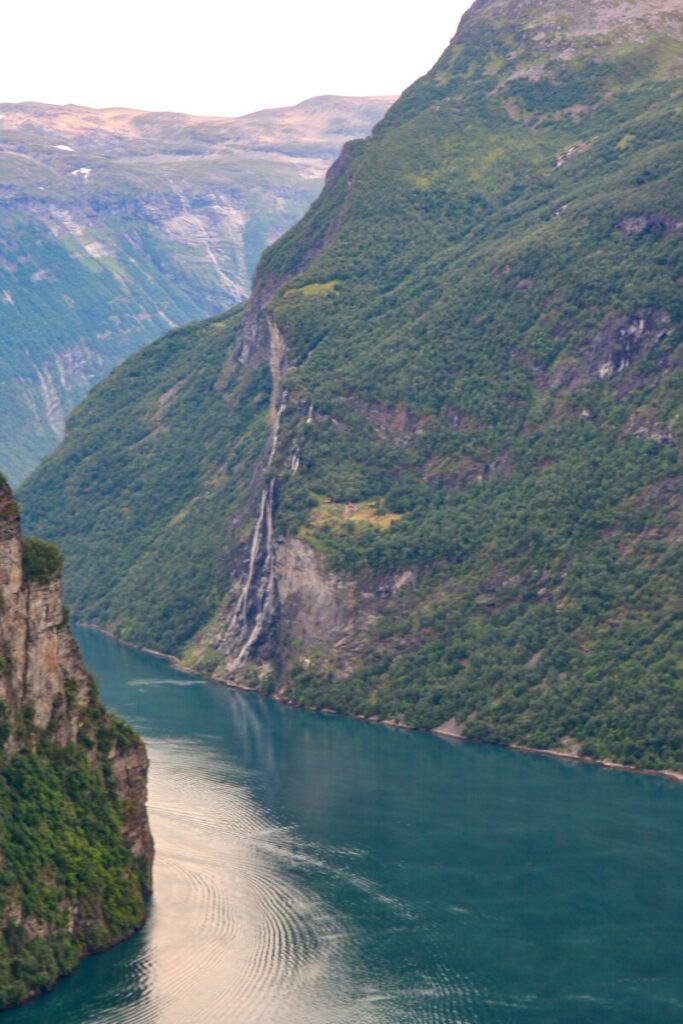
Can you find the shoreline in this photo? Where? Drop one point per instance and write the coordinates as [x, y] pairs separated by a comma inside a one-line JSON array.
[[441, 731], [87, 953]]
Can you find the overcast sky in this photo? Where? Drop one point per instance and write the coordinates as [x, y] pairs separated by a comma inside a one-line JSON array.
[[207, 57]]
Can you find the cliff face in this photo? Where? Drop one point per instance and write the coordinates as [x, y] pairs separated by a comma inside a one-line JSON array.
[[74, 872], [432, 470]]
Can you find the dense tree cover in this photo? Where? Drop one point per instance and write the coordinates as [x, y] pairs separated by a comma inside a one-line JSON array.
[[41, 560], [60, 834], [144, 511], [498, 361], [483, 320]]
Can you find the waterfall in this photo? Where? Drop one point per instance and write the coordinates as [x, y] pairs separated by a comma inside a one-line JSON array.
[[256, 607]]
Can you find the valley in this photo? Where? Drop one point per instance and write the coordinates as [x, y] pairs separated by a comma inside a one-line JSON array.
[[380, 432], [430, 471], [118, 224]]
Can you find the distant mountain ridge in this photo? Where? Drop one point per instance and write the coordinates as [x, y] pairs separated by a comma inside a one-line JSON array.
[[431, 472], [116, 224]]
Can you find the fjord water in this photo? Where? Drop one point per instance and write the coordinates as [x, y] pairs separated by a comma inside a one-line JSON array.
[[315, 870]]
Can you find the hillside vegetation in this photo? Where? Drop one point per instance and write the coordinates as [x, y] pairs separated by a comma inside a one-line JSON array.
[[468, 509]]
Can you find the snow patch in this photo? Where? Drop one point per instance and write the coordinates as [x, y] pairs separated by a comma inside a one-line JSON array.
[[7, 298], [84, 172], [64, 149]]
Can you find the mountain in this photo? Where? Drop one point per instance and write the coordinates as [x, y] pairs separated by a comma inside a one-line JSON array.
[[117, 224], [431, 473], [76, 847]]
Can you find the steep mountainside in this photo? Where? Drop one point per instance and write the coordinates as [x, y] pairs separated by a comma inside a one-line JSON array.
[[76, 847], [462, 370], [116, 224]]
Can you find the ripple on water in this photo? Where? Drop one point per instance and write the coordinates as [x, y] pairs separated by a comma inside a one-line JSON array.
[[469, 886], [232, 937]]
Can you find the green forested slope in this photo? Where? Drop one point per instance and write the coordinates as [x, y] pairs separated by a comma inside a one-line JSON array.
[[482, 316], [149, 494]]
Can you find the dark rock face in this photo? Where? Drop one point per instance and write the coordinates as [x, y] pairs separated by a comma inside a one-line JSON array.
[[621, 342], [640, 223], [53, 723]]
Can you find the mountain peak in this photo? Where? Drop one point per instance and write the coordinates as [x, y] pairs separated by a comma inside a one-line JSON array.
[[571, 55], [536, 33], [557, 19]]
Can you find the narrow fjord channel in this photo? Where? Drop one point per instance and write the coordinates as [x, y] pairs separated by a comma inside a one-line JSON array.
[[314, 870]]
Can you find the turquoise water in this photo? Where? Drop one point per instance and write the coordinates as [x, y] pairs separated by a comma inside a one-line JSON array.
[[314, 870]]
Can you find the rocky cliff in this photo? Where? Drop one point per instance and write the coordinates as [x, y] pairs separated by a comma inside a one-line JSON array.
[[76, 847], [431, 472]]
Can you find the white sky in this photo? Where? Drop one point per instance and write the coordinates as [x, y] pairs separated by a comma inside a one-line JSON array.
[[208, 57]]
